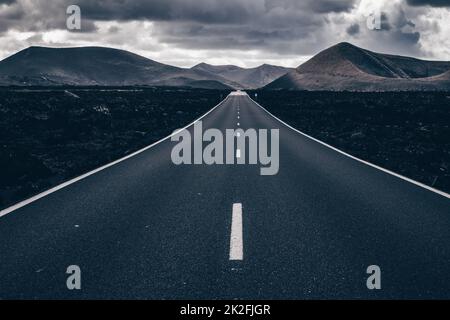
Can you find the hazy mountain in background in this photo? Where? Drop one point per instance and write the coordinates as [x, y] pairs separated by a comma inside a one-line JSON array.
[[347, 67], [248, 78], [113, 67]]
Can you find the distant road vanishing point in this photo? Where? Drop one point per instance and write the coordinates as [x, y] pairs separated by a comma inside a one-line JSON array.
[[144, 228]]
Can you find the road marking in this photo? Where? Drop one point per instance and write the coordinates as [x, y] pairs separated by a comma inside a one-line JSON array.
[[72, 181], [238, 153], [417, 183], [236, 242], [238, 124], [238, 117]]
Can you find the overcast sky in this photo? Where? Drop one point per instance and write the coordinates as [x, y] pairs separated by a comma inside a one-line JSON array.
[[242, 32]]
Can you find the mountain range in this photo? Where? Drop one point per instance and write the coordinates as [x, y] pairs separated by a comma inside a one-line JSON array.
[[348, 67], [338, 68], [113, 67]]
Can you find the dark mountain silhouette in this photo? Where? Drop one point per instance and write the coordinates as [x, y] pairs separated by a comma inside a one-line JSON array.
[[82, 66], [341, 67], [98, 66], [114, 67], [347, 67]]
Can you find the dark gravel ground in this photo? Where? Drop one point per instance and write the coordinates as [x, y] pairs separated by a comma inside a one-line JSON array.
[[406, 132], [48, 136]]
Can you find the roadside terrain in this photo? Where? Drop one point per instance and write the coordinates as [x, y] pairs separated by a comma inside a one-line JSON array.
[[406, 132], [51, 135]]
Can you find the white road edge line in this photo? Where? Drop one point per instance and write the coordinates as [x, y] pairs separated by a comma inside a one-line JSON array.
[[417, 183], [236, 241], [72, 181]]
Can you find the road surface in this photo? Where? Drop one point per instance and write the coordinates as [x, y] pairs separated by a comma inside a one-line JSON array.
[[146, 228]]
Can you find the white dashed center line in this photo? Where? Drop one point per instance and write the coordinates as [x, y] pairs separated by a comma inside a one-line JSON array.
[[236, 242]]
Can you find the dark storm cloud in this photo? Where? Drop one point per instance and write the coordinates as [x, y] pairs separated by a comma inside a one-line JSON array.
[[205, 11], [272, 25], [253, 24], [326, 6], [277, 27], [197, 36], [313, 6], [402, 28], [385, 24], [50, 13], [432, 3], [218, 24], [38, 15], [395, 21], [399, 28], [353, 29], [278, 30], [10, 15], [398, 34]]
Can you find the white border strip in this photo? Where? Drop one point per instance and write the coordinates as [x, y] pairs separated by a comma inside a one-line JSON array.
[[72, 181], [236, 238], [417, 183]]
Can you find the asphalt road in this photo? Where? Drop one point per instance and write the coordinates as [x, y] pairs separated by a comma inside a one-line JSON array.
[[146, 228]]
